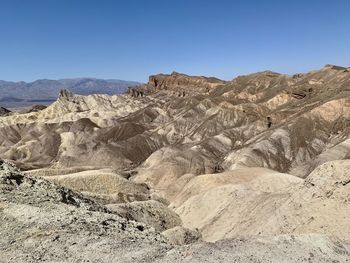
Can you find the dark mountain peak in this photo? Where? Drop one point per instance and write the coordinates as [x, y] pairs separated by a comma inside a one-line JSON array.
[[65, 94], [4, 111]]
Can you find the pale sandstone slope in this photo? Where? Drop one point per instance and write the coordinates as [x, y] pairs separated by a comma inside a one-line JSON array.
[[267, 203]]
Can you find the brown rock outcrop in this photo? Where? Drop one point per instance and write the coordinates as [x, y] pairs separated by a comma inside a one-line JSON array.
[[184, 83]]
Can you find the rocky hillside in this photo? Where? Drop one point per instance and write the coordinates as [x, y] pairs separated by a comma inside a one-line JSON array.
[[43, 222], [258, 161]]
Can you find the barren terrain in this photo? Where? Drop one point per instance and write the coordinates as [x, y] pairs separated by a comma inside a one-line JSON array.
[[182, 169]]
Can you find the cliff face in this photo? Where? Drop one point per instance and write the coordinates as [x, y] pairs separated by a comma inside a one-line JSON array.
[[181, 82]]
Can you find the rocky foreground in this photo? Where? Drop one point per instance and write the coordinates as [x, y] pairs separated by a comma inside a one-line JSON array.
[[43, 222], [182, 169]]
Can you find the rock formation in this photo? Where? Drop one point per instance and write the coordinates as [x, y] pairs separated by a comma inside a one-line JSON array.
[[4, 111], [176, 81], [256, 162]]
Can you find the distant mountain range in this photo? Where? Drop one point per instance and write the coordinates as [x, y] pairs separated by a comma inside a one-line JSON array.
[[45, 91]]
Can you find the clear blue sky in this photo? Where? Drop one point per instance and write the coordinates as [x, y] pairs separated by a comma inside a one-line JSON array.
[[132, 39]]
